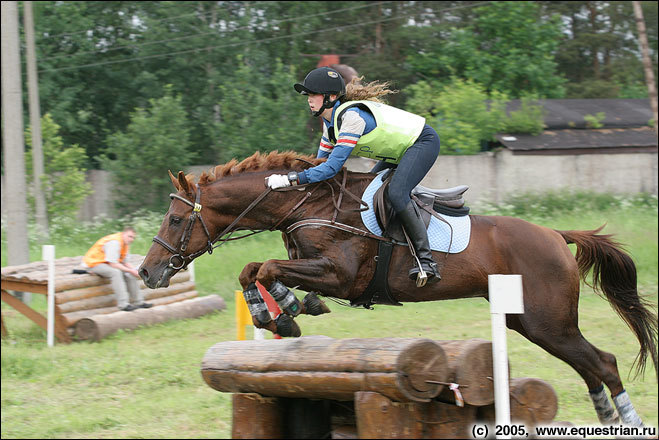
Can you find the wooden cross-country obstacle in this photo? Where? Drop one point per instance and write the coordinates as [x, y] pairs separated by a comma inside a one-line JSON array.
[[316, 386], [86, 306]]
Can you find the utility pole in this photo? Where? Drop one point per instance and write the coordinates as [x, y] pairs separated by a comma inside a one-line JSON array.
[[12, 140], [647, 63], [35, 122]]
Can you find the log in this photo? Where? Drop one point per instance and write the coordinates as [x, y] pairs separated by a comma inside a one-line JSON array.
[[445, 420], [97, 327], [110, 299], [379, 417], [319, 367], [470, 366], [255, 416], [532, 402], [72, 318], [103, 287]]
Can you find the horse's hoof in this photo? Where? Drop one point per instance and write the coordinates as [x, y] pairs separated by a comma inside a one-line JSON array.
[[313, 305], [287, 327]]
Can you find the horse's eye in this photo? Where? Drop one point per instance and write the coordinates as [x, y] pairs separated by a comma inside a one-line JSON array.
[[173, 221]]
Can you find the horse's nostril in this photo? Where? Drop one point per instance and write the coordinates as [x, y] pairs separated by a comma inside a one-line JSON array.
[[143, 273]]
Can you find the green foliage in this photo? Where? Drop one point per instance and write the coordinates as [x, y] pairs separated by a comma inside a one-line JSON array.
[[560, 203], [155, 141], [260, 111], [508, 47], [528, 119], [464, 114], [63, 182], [595, 121]]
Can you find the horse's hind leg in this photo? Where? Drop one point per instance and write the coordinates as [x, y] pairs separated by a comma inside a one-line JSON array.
[[565, 341]]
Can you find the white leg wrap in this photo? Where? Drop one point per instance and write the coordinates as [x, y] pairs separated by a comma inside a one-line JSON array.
[[626, 410]]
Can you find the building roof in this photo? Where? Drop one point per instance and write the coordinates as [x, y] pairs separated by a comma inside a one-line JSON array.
[[573, 141], [570, 113], [624, 128]]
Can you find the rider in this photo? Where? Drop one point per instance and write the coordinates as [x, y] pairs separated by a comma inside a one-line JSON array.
[[355, 121]]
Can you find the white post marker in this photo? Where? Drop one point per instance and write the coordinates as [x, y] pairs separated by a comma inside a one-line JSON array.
[[48, 254], [505, 292], [192, 273]]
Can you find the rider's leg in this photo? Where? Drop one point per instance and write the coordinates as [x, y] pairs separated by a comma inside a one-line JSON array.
[[413, 167]]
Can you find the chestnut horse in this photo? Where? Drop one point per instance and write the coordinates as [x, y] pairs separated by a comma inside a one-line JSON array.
[[334, 256]]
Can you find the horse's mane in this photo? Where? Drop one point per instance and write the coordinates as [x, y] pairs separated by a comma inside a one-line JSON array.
[[257, 162]]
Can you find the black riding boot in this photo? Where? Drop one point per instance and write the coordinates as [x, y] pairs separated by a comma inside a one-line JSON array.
[[416, 230]]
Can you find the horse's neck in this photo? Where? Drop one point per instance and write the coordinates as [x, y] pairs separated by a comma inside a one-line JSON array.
[[310, 201]]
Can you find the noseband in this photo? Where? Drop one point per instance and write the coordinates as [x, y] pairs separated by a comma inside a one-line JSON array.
[[187, 232]]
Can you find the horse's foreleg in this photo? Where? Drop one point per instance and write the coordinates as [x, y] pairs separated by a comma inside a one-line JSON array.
[[283, 325], [306, 274], [255, 302]]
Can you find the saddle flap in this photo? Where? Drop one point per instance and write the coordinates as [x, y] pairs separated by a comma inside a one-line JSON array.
[[386, 216]]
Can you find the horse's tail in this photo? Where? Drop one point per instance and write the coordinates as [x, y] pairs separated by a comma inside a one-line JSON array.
[[614, 274]]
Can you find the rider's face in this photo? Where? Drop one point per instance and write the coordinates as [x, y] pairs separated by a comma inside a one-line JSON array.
[[315, 102]]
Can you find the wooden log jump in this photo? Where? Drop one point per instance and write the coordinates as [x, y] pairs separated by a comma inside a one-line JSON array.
[[322, 367], [315, 386], [88, 297]]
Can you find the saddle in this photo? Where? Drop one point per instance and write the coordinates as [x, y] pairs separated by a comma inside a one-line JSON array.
[[430, 201], [448, 201]]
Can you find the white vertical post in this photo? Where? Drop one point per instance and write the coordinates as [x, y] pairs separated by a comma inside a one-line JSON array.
[[506, 296], [192, 274], [48, 254]]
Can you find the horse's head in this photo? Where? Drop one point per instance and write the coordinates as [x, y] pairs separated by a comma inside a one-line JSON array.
[[182, 237]]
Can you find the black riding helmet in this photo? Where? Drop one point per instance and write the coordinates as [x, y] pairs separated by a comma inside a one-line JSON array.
[[323, 81]]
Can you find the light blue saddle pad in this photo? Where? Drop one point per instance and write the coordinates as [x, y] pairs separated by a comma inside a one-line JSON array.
[[439, 233]]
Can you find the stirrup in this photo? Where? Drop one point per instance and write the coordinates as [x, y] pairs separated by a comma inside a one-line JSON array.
[[422, 276]]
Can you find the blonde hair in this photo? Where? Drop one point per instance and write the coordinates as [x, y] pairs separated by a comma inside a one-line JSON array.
[[373, 91]]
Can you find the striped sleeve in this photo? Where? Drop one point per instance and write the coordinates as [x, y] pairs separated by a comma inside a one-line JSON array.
[[326, 146], [351, 130]]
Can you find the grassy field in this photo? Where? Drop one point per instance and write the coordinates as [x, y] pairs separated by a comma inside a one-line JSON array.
[[147, 384]]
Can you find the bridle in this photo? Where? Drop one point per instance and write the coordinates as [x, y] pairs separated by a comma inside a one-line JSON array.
[[187, 231]]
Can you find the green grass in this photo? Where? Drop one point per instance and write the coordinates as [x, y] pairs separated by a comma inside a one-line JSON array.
[[146, 383]]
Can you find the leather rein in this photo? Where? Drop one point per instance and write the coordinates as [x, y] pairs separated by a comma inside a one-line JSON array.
[[211, 244]]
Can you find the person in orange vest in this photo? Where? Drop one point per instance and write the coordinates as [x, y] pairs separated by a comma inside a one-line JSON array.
[[107, 258]]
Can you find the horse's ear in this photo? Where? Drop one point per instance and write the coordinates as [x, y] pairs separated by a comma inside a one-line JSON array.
[[183, 182], [173, 179]]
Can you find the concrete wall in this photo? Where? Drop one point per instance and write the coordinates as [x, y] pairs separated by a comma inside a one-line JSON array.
[[495, 176], [491, 176]]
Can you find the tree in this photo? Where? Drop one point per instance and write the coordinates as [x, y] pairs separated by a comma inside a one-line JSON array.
[[156, 140], [63, 182], [598, 51], [507, 48], [459, 112], [261, 111]]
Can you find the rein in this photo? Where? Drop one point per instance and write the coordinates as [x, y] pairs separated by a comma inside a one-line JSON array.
[[211, 244]]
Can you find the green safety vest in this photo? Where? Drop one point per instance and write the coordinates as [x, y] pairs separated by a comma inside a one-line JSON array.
[[396, 130]]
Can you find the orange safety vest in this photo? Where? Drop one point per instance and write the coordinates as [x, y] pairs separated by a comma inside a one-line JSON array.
[[96, 254]]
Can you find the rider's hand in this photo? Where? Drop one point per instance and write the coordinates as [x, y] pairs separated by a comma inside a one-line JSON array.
[[277, 181]]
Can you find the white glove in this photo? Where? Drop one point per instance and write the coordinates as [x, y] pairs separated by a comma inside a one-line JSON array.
[[277, 181]]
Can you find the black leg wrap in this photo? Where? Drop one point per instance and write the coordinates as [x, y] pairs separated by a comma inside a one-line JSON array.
[[285, 298], [256, 304], [287, 327], [313, 305]]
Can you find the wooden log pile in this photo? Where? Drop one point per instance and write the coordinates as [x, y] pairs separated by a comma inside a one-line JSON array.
[[86, 306], [316, 386]]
